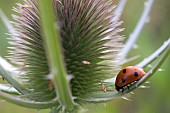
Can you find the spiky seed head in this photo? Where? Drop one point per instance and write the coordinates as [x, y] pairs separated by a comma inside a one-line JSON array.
[[90, 44]]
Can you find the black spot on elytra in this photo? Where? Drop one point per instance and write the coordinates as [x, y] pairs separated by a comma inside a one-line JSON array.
[[136, 74], [124, 71], [123, 80]]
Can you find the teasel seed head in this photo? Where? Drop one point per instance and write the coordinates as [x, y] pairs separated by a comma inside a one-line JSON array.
[[90, 43]]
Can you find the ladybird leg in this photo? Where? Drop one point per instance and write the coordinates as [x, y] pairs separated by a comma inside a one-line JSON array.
[[103, 86], [122, 90], [128, 86]]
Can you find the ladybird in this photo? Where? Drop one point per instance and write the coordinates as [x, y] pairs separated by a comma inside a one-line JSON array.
[[128, 76]]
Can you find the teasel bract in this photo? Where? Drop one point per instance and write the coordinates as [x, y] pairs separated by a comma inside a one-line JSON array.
[[90, 43]]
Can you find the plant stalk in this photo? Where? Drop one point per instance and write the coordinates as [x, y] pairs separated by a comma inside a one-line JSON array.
[[55, 55], [27, 103], [9, 78]]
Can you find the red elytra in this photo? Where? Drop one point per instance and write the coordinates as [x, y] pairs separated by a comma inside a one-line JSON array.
[[127, 76]]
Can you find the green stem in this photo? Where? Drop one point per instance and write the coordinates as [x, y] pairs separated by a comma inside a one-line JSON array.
[[9, 78], [155, 55], [55, 55], [26, 103], [155, 67]]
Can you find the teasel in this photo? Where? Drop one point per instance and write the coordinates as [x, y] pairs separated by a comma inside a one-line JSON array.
[[89, 40], [90, 49]]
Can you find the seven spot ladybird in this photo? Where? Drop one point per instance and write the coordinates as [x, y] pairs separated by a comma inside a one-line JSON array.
[[127, 76]]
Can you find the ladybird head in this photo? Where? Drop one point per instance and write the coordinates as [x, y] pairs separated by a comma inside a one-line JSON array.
[[128, 76]]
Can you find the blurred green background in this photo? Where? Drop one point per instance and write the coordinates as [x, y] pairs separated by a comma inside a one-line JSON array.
[[153, 100]]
